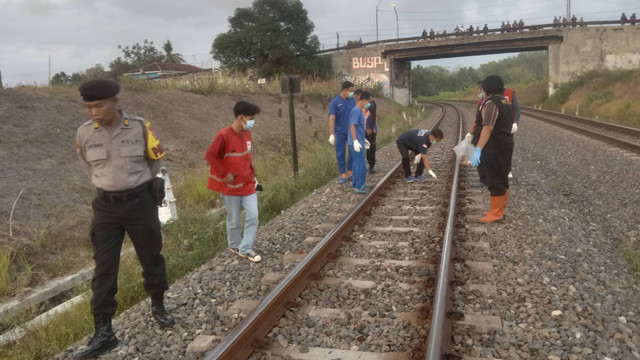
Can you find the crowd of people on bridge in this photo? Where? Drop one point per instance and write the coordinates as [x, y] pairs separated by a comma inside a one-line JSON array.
[[517, 25], [562, 21], [631, 20]]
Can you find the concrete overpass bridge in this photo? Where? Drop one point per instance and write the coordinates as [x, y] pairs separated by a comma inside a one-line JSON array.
[[572, 51]]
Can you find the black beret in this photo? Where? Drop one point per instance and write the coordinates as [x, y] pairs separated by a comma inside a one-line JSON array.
[[95, 90]]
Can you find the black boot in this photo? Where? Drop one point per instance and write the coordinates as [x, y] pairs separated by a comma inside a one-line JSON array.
[[162, 316], [372, 169], [103, 339]]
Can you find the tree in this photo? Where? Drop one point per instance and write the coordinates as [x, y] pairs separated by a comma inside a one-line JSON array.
[[170, 57], [118, 67], [140, 55], [272, 37], [60, 79]]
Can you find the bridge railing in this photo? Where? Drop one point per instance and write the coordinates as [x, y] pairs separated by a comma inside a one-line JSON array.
[[478, 32]]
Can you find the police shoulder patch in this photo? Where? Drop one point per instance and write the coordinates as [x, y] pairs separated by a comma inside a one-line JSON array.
[[154, 148]]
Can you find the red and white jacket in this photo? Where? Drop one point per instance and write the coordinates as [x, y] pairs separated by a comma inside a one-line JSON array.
[[230, 153]]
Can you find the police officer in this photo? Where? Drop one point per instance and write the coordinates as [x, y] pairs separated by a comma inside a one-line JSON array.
[[121, 155]]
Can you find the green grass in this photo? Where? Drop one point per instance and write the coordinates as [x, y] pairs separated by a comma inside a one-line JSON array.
[[199, 234], [631, 252], [5, 262]]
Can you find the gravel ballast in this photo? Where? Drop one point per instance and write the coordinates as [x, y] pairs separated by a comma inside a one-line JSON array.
[[572, 201]]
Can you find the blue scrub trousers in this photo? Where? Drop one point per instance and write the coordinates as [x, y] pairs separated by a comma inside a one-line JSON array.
[[341, 153], [359, 167]]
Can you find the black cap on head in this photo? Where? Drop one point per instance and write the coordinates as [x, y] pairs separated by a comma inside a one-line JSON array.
[[95, 90]]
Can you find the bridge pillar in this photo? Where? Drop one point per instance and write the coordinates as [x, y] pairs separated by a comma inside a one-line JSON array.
[[401, 81], [593, 48]]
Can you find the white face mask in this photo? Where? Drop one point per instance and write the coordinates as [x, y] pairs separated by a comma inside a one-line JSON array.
[[249, 124]]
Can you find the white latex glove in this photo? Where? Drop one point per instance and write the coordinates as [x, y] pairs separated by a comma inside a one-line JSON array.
[[469, 137], [514, 128], [367, 144], [417, 159], [356, 146], [432, 174], [332, 139]]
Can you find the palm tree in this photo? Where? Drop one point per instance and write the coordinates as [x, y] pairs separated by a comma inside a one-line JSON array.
[[171, 57]]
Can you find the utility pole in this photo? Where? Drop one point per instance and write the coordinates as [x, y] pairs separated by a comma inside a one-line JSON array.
[[568, 9], [397, 23], [377, 20], [338, 41], [49, 70]]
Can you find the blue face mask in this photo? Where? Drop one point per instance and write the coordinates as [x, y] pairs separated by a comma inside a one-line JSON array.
[[367, 106], [249, 124], [433, 142], [350, 95], [479, 95]]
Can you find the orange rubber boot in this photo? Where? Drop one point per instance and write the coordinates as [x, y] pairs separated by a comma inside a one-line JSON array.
[[496, 210], [506, 198]]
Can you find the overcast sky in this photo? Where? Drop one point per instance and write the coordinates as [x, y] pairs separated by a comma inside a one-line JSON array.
[[79, 34]]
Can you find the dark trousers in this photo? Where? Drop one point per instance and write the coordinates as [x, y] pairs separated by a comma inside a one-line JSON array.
[[139, 218], [495, 164], [371, 151], [481, 175], [406, 161]]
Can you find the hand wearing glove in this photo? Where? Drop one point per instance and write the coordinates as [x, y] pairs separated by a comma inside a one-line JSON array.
[[475, 161], [514, 128], [367, 144], [432, 174], [469, 137], [356, 146], [417, 159], [332, 139]]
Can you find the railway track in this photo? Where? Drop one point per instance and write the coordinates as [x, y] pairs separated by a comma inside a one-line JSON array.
[[373, 282], [620, 136]]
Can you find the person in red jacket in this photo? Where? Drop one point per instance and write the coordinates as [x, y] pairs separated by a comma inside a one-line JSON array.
[[232, 175]]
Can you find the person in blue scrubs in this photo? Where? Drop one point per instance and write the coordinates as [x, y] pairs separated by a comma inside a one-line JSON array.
[[339, 110], [357, 141]]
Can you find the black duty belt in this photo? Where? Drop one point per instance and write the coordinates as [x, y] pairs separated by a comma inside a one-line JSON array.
[[122, 196]]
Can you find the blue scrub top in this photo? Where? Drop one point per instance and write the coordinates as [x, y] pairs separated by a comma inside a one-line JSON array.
[[341, 109], [357, 119]]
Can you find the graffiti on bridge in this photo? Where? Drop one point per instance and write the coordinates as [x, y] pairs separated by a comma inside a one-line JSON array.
[[369, 62]]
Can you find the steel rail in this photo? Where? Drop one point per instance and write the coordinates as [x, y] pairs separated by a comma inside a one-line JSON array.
[[244, 338], [635, 147], [588, 121], [439, 341]]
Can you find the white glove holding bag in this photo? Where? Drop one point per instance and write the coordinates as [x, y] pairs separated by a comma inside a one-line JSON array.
[[367, 144], [469, 137], [432, 174], [332, 139], [514, 128], [417, 159], [356, 146]]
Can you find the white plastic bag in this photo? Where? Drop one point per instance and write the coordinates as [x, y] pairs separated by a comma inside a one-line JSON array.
[[464, 151]]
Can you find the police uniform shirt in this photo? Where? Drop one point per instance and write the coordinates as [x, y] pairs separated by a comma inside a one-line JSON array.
[[117, 161], [416, 140]]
